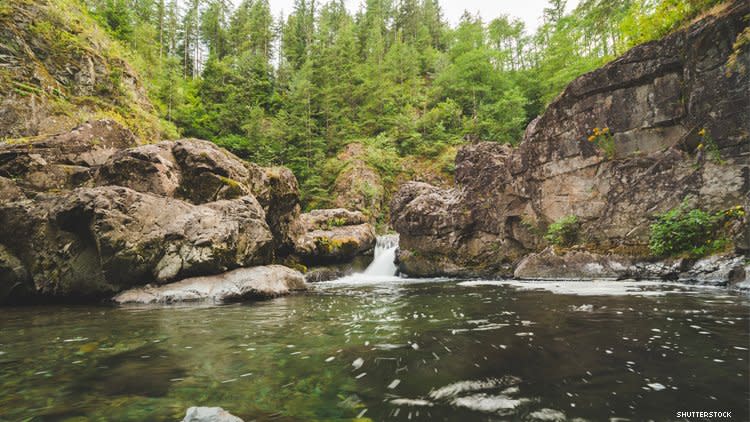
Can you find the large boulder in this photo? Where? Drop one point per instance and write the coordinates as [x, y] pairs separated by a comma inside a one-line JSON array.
[[199, 172], [660, 101], [147, 168], [334, 235], [97, 241], [549, 264], [89, 212], [277, 190], [240, 284]]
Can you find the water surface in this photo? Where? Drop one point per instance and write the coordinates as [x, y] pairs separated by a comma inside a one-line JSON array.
[[435, 350]]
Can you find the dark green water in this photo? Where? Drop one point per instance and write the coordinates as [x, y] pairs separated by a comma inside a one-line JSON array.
[[429, 351]]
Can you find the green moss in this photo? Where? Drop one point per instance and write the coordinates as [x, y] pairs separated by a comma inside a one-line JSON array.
[[234, 187]]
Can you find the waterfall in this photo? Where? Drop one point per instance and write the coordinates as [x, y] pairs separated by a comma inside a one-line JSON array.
[[385, 254]]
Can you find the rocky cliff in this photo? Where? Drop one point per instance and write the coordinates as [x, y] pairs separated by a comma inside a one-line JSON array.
[[59, 68], [666, 122], [89, 213]]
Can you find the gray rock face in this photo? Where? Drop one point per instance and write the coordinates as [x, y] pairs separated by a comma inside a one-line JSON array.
[[241, 284], [209, 414], [655, 100], [198, 171], [334, 235], [716, 270], [63, 161], [93, 241], [13, 275], [89, 213], [54, 77], [743, 285], [9, 191], [572, 265]]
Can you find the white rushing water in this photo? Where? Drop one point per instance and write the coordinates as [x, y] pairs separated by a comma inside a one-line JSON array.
[[382, 271], [384, 265]]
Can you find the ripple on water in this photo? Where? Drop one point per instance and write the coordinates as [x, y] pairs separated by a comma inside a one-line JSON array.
[[456, 388], [500, 404]]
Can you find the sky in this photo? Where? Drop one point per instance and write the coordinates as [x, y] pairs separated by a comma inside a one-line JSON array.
[[530, 11]]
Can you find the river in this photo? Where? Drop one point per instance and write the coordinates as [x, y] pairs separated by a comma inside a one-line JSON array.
[[376, 347]]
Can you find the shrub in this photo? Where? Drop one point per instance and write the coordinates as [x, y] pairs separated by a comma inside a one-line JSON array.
[[693, 232], [563, 232]]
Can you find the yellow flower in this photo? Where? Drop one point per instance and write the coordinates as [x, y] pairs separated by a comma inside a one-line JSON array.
[[605, 130], [596, 131], [702, 132], [700, 146], [592, 138]]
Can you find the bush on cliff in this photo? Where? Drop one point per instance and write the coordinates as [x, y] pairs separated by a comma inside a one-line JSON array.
[[563, 232], [691, 231]]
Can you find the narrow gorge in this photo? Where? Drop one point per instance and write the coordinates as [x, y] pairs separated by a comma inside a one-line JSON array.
[[218, 211]]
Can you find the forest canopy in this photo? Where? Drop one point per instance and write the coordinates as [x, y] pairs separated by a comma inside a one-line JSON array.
[[293, 90]]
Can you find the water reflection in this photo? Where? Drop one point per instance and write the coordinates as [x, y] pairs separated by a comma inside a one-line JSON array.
[[385, 350]]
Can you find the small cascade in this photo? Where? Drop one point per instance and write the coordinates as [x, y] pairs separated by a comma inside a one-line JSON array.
[[385, 256]]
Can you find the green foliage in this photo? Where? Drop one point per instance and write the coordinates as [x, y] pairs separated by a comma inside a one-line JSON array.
[[708, 144], [647, 20], [690, 231], [117, 15], [604, 140], [563, 232], [380, 154], [293, 91]]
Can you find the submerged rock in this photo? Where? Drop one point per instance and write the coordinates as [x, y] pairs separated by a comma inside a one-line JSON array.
[[241, 284], [658, 102], [209, 414]]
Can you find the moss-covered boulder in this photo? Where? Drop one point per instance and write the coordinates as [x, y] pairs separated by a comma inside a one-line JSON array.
[[334, 235]]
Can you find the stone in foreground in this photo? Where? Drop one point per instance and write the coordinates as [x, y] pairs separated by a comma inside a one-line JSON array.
[[241, 284], [209, 414]]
